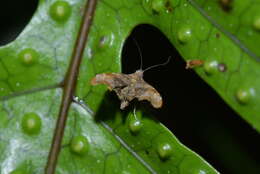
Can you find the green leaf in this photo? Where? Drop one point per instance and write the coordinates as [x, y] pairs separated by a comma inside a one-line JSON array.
[[100, 138], [232, 44], [108, 149]]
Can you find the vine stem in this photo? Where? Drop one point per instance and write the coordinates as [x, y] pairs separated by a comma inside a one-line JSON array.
[[69, 85]]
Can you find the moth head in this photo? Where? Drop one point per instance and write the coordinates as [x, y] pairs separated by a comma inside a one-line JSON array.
[[139, 73]]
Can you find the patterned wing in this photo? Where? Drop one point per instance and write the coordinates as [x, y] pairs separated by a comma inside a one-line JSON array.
[[147, 92]]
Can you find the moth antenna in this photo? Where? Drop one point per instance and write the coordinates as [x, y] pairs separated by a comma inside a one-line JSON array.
[[140, 53], [162, 64]]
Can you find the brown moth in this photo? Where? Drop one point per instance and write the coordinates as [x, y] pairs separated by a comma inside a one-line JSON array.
[[193, 63], [129, 87]]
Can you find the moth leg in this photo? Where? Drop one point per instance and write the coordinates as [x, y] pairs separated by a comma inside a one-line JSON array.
[[124, 103], [135, 113]]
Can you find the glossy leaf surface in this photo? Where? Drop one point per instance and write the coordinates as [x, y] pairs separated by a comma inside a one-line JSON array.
[[99, 138]]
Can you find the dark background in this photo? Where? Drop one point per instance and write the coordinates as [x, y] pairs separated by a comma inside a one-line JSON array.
[[192, 110]]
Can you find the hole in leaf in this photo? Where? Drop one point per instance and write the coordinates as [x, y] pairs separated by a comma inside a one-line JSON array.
[[14, 16], [192, 110]]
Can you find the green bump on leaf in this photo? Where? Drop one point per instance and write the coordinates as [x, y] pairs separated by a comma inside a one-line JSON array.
[[244, 95], [135, 125], [164, 150], [28, 56], [210, 67], [79, 145], [184, 34], [60, 11], [256, 23], [158, 5], [31, 123]]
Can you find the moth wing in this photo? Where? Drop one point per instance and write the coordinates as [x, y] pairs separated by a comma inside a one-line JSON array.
[[150, 94], [112, 80]]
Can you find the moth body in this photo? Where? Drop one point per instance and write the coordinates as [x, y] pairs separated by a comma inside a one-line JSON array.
[[129, 87]]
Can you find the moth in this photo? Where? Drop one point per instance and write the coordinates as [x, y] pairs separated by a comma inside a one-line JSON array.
[[130, 86]]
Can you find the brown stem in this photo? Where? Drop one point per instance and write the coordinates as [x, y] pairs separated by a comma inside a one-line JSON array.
[[69, 85]]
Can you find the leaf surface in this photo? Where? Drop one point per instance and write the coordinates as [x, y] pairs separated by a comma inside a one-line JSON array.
[[30, 86]]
